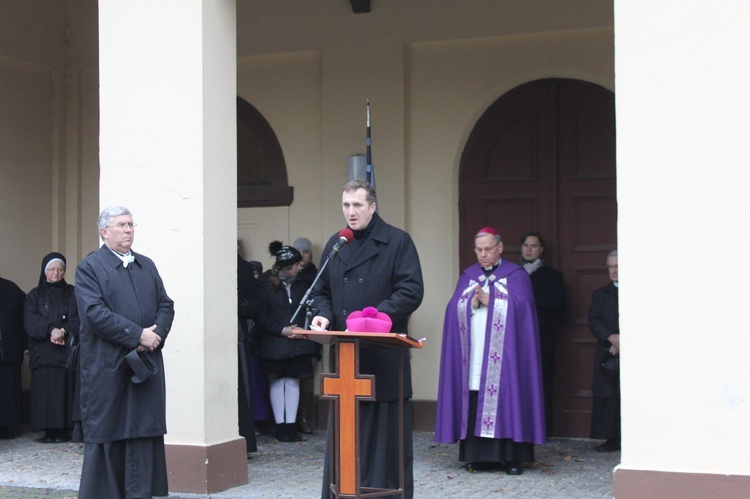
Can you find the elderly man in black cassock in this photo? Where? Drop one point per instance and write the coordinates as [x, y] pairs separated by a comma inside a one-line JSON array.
[[604, 323], [125, 318], [379, 268]]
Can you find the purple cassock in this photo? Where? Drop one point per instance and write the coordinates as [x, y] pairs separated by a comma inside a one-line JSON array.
[[510, 399]]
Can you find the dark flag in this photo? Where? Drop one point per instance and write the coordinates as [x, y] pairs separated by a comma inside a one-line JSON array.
[[369, 171]]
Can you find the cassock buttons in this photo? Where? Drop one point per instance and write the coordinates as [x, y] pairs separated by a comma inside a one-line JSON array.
[[343, 312], [346, 279], [361, 280]]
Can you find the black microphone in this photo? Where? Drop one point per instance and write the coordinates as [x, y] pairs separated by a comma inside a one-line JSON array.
[[345, 235]]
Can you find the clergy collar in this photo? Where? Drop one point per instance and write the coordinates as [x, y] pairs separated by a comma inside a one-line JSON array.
[[364, 233], [487, 270], [126, 259]]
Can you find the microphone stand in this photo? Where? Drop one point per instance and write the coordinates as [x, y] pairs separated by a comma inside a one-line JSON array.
[[307, 302]]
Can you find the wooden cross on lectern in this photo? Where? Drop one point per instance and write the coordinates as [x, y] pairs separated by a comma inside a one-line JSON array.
[[348, 387]]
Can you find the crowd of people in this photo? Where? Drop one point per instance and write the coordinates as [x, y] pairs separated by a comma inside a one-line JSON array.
[[45, 323], [498, 353], [97, 372], [495, 377]]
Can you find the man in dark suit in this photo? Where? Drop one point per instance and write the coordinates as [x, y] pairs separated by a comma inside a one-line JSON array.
[[550, 299], [380, 268], [604, 324], [125, 318]]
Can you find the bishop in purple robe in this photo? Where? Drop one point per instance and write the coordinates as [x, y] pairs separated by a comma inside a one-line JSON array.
[[490, 395]]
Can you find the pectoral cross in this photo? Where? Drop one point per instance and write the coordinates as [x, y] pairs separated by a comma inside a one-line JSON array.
[[348, 387]]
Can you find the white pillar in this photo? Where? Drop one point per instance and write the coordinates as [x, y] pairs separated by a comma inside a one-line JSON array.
[[682, 177], [168, 152]]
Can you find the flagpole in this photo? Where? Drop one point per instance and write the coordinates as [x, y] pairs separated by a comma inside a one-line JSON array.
[[368, 141], [369, 171]]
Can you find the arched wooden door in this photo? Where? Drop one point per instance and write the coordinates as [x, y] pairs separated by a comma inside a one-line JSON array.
[[542, 157]]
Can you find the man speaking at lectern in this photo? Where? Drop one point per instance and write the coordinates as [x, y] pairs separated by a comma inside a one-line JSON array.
[[378, 268]]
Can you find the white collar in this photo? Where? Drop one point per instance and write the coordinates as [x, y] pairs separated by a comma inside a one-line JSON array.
[[126, 259], [496, 264]]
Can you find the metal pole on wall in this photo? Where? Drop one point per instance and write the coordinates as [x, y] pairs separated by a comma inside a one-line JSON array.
[[360, 165], [357, 167]]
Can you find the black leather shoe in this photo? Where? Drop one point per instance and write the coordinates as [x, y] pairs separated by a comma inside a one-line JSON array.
[[610, 445], [281, 434], [475, 467], [60, 436], [291, 433], [513, 468], [304, 426]]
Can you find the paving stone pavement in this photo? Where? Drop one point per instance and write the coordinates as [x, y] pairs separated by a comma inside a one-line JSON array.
[[565, 468]]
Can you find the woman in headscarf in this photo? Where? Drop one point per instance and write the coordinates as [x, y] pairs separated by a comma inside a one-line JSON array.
[[50, 318], [286, 357]]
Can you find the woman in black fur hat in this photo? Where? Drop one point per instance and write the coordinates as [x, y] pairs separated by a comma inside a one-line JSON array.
[[286, 357]]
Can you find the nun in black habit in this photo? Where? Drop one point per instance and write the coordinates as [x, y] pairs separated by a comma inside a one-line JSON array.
[[51, 317]]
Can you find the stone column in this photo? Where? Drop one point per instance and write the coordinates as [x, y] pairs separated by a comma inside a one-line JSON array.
[[168, 152]]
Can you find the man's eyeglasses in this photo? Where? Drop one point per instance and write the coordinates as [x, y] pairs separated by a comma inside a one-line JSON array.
[[480, 251], [122, 225]]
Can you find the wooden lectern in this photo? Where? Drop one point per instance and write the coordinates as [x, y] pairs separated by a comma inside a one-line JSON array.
[[345, 388]]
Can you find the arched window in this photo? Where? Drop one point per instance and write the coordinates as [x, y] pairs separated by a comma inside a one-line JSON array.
[[261, 170]]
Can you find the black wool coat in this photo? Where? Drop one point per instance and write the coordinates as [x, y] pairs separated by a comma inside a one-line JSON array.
[[383, 272], [12, 337], [550, 299], [275, 312], [549, 295], [12, 345], [308, 273], [115, 305], [48, 307], [604, 320]]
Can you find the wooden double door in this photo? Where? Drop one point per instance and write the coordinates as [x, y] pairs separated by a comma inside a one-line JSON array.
[[542, 157]]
